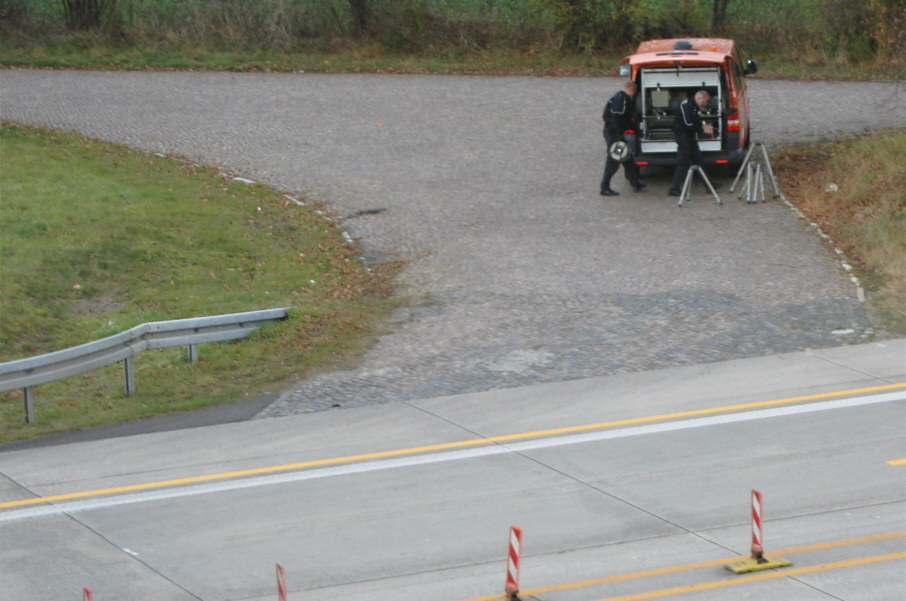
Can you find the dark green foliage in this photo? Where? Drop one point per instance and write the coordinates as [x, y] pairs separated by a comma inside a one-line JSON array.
[[857, 29]]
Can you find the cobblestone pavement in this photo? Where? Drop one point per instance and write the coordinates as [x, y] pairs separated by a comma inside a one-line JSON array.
[[520, 272]]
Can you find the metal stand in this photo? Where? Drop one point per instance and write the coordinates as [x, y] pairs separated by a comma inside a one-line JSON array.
[[687, 186], [757, 174], [754, 184]]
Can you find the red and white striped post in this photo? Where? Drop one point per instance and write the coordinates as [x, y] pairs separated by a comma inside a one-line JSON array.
[[86, 593], [757, 532], [757, 561], [512, 566], [281, 583]]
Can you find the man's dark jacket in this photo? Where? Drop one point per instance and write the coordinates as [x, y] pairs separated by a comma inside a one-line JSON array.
[[617, 116], [688, 120]]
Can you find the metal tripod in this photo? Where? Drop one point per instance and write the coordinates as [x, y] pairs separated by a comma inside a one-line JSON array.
[[754, 175], [687, 186], [754, 185]]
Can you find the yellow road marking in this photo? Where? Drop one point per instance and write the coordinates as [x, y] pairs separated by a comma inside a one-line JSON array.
[[840, 543], [438, 447], [785, 572], [695, 566], [897, 462]]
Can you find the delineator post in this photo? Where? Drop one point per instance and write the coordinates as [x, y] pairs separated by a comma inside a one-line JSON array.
[[514, 554], [281, 583], [757, 545], [757, 561]]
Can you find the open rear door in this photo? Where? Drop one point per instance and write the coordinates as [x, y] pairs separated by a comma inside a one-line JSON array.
[[662, 89]]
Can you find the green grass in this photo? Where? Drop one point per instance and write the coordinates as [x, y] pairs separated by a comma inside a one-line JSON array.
[[367, 59], [360, 60], [96, 238]]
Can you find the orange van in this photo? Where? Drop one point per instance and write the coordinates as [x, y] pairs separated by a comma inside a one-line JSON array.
[[669, 71]]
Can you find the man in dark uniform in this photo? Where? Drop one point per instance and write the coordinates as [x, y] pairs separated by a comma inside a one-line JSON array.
[[686, 124], [618, 118]]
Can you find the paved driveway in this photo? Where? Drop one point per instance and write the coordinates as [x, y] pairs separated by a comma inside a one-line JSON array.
[[520, 272]]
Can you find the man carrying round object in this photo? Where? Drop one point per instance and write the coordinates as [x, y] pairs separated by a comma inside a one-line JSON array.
[[617, 119]]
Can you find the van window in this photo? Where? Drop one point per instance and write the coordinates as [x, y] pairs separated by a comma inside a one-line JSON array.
[[739, 82]]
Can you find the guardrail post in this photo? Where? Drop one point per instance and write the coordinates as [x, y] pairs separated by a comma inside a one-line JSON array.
[[193, 353], [129, 366], [29, 405]]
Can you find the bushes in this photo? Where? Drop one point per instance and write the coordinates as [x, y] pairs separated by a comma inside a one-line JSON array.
[[87, 15], [25, 18], [853, 29]]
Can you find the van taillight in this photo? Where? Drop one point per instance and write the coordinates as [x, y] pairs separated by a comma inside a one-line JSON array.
[[733, 122]]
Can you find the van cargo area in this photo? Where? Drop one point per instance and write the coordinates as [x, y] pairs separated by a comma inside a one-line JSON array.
[[661, 92]]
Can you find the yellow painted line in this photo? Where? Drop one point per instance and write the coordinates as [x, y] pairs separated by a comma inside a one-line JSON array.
[[695, 566], [439, 447], [840, 543], [897, 462], [783, 573]]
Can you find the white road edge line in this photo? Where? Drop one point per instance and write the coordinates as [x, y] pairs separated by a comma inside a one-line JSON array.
[[438, 457]]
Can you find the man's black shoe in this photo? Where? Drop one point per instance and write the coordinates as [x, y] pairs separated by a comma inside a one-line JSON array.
[[673, 192], [638, 186], [609, 192]]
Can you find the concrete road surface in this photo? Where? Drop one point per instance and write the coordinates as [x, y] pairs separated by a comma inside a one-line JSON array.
[[623, 485]]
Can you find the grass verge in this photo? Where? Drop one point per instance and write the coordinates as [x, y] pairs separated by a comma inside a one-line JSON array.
[[372, 59], [98, 238], [855, 190]]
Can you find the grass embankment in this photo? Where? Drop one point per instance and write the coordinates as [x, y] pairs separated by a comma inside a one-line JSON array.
[[97, 238], [855, 190]]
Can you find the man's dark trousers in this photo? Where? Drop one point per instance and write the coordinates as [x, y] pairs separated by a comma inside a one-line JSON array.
[[630, 169], [687, 154]]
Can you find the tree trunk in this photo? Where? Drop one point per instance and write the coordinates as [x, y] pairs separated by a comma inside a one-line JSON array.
[[719, 16], [360, 15], [85, 15]]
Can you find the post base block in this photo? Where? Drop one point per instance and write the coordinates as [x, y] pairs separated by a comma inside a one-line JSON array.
[[750, 564]]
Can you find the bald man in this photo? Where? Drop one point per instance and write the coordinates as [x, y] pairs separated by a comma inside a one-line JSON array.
[[687, 123]]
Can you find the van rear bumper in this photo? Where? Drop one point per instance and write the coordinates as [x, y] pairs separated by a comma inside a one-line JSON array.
[[663, 152], [668, 159]]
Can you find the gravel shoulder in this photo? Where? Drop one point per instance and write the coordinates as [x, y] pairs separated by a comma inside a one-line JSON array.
[[519, 272]]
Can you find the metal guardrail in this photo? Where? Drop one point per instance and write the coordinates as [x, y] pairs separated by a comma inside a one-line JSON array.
[[41, 369]]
